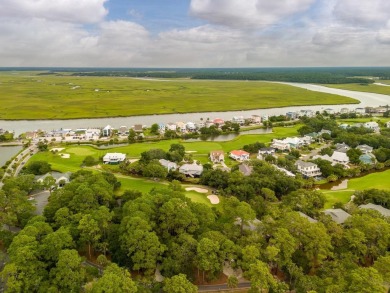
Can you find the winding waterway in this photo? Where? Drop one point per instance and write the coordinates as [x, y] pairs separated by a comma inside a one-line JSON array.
[[366, 99]]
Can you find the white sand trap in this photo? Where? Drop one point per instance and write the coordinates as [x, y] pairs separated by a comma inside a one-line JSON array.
[[65, 156], [57, 149], [213, 199], [189, 152], [197, 189]]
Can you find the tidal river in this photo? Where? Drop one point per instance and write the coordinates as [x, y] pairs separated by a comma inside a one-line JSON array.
[[366, 99]]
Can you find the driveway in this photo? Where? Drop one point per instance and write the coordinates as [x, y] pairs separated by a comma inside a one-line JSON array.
[[41, 199]]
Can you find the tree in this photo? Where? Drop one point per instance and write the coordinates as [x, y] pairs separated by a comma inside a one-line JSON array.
[[132, 136], [49, 182], [154, 129], [207, 258], [155, 170], [232, 282], [353, 155], [68, 275], [89, 231], [365, 280], [179, 284], [114, 279], [38, 167], [382, 265], [260, 276], [89, 161]]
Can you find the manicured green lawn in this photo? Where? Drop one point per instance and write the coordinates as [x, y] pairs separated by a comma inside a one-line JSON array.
[[362, 120], [379, 180], [371, 88], [29, 96]]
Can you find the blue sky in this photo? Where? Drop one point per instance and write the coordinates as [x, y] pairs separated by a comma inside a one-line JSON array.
[[194, 33]]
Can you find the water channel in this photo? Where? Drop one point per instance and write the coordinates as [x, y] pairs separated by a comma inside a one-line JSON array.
[[7, 152]]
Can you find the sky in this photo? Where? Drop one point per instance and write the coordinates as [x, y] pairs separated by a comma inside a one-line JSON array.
[[194, 33]]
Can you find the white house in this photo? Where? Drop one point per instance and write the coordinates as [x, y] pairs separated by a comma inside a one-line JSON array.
[[360, 111], [280, 145], [266, 151], [168, 164], [239, 155], [365, 149], [308, 169], [372, 125], [344, 111], [113, 158], [190, 126], [107, 131], [217, 156], [171, 126], [256, 119], [191, 170], [92, 133], [329, 110], [340, 157], [180, 126], [123, 130], [238, 119], [60, 178]]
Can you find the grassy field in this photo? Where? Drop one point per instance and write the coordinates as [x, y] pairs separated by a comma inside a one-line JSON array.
[[379, 180], [371, 88], [29, 96]]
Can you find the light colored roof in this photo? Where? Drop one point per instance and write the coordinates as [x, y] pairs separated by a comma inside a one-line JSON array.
[[337, 215], [216, 153], [114, 156], [340, 156], [384, 212], [191, 167], [311, 220], [245, 169], [305, 164], [364, 147]]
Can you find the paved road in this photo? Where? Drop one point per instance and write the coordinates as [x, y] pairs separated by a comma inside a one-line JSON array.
[[222, 287], [41, 199]]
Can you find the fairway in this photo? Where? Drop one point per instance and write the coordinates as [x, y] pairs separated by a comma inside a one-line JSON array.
[[69, 97], [379, 180]]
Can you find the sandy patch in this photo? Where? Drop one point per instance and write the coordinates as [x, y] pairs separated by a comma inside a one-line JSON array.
[[189, 152], [132, 160], [197, 189], [57, 149], [381, 84], [65, 156], [229, 271], [213, 199]]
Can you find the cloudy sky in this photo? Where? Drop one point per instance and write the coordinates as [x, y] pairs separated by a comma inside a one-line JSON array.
[[194, 33]]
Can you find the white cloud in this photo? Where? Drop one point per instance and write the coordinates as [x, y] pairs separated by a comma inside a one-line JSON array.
[[248, 13], [78, 11], [363, 13]]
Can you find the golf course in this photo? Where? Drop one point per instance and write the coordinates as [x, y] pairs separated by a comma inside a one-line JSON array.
[[31, 96]]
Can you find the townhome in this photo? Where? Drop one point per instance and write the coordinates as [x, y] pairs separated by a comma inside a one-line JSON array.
[[308, 169]]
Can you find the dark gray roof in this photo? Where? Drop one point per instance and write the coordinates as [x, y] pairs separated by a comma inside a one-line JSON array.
[[383, 211], [245, 169], [337, 215]]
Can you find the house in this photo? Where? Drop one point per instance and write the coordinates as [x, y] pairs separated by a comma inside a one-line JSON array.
[[342, 147], [239, 155], [138, 128], [329, 111], [190, 126], [245, 169], [238, 119], [344, 126], [280, 145], [383, 211], [264, 118], [256, 119], [171, 126], [181, 127], [191, 170], [360, 111], [368, 159], [372, 125], [92, 133], [209, 123], [113, 158], [338, 215], [107, 131], [217, 156], [168, 164], [292, 115], [60, 178], [307, 113], [365, 149], [250, 226], [266, 151], [161, 127], [200, 124], [308, 169], [123, 130], [310, 219], [219, 122], [340, 157], [344, 111], [323, 131]]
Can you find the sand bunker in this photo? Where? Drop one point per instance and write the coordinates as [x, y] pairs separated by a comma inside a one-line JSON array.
[[57, 149], [189, 152], [65, 156], [197, 189], [213, 199]]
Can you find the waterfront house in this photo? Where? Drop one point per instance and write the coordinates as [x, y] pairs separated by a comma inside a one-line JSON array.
[[171, 126], [107, 131], [217, 156], [190, 126], [292, 115], [344, 111], [218, 122], [181, 127], [123, 130], [308, 169], [238, 119], [161, 127], [138, 128], [113, 158], [92, 133], [360, 111], [256, 119], [239, 155]]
